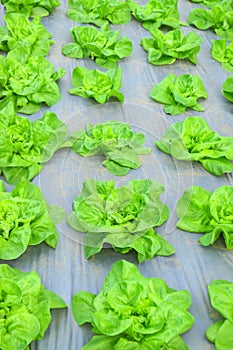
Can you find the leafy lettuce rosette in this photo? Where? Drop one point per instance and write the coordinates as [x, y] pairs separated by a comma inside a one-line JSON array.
[[24, 308], [156, 13], [219, 18], [99, 12], [97, 84], [123, 217], [116, 141], [25, 146], [25, 219], [193, 140], [134, 312], [211, 213], [101, 45], [28, 80], [178, 93], [166, 48], [221, 332], [21, 32], [30, 8]]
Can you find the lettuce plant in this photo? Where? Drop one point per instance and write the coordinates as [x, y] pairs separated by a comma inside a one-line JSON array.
[[156, 13], [97, 84], [25, 308], [179, 93], [219, 18], [24, 220], [116, 141], [25, 146], [28, 80], [102, 46], [223, 53], [21, 32], [221, 332], [201, 211], [99, 12], [134, 312], [227, 88], [192, 139], [166, 48], [30, 8], [124, 217]]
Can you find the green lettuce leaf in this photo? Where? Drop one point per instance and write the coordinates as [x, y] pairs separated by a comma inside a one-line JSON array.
[[193, 210], [134, 312], [224, 337], [97, 84], [21, 32], [166, 48], [122, 217], [25, 308], [102, 46], [116, 141], [148, 246], [227, 88], [192, 139], [99, 12], [25, 220], [179, 93], [204, 212]]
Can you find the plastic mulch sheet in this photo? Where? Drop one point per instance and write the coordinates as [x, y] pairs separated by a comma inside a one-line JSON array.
[[65, 269]]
